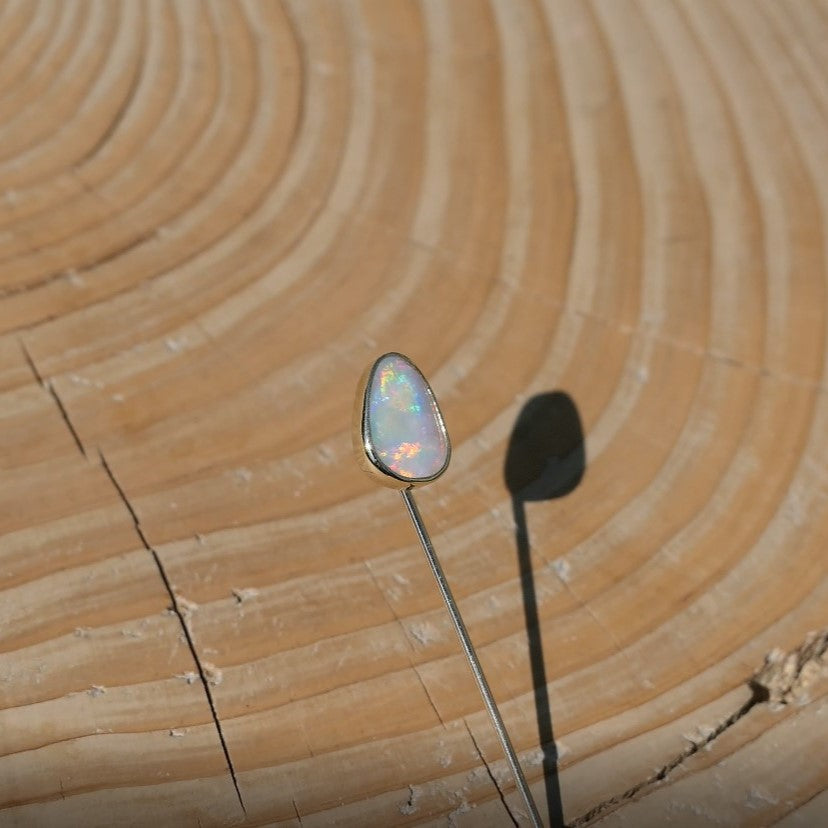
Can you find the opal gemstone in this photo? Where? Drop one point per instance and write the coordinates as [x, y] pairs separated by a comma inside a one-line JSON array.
[[404, 430]]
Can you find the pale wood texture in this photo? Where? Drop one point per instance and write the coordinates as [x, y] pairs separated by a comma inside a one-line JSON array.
[[214, 215]]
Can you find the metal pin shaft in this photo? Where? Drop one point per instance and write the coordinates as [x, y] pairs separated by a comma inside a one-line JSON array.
[[471, 655]]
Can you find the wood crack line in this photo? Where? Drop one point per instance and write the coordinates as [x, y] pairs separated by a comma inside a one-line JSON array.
[[782, 679], [177, 609], [663, 772], [491, 775], [50, 389], [412, 651]]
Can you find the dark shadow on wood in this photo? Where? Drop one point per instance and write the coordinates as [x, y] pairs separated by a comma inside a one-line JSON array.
[[545, 460]]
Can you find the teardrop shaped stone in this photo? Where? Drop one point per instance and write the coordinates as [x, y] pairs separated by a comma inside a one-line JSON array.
[[403, 429]]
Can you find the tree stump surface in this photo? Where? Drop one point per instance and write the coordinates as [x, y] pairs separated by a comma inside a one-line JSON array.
[[214, 216]]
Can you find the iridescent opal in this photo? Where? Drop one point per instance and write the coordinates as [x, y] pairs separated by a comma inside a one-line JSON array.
[[403, 429]]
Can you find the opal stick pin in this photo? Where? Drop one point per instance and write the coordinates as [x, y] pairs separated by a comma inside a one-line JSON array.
[[400, 439]]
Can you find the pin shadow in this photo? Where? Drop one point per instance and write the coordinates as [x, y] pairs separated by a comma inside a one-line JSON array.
[[545, 460]]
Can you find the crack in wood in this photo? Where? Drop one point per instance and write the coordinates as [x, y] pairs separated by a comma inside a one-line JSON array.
[[491, 775], [50, 389], [782, 679], [31, 363], [428, 695], [611, 804], [650, 334], [66, 419], [411, 648], [179, 611]]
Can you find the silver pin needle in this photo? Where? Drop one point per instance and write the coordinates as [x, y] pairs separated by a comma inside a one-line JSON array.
[[471, 655], [400, 439]]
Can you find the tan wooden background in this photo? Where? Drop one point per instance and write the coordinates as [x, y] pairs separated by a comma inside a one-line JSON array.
[[214, 215]]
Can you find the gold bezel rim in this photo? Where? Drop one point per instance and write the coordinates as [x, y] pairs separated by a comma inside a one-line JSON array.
[[363, 447]]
